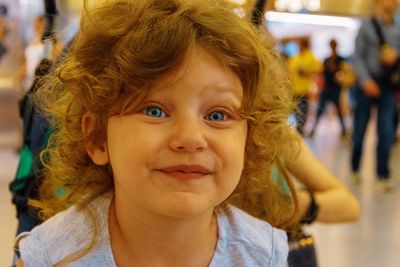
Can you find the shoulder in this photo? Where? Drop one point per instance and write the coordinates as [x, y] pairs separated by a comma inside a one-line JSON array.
[[339, 60], [251, 240], [366, 25], [366, 22], [293, 59], [247, 228], [64, 234], [310, 56]]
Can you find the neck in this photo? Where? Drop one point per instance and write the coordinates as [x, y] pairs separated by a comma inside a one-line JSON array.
[[37, 40], [136, 238]]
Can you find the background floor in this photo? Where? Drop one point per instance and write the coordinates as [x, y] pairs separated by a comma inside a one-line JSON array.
[[373, 241]]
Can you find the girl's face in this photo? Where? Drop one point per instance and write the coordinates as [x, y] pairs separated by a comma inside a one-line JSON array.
[[38, 26], [180, 153], [388, 6]]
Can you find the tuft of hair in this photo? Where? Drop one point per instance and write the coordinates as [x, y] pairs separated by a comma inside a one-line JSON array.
[[121, 48]]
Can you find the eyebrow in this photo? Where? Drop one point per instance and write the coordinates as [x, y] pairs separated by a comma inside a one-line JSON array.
[[219, 88]]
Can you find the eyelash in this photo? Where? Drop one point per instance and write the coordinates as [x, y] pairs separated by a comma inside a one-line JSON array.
[[154, 106], [226, 114]]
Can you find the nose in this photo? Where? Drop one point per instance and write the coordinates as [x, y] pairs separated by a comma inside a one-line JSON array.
[[188, 135]]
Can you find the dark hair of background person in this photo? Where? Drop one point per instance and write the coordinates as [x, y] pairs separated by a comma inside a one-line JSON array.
[[51, 12], [256, 13], [3, 10]]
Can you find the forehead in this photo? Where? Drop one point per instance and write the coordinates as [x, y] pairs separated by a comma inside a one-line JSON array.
[[198, 72], [200, 69]]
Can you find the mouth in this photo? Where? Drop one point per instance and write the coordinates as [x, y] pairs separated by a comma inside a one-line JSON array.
[[186, 172]]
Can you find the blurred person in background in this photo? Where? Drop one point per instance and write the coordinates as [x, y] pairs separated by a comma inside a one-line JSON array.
[[36, 128], [32, 55], [332, 86], [373, 61], [397, 118], [303, 67], [321, 198], [3, 32], [396, 122]]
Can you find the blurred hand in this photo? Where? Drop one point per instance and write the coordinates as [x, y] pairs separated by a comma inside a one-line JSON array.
[[371, 88], [388, 56]]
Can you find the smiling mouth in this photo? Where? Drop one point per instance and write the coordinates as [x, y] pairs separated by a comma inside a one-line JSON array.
[[186, 172]]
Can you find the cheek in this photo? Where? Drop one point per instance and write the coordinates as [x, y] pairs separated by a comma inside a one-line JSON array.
[[130, 152], [133, 153], [121, 146], [234, 151], [242, 140]]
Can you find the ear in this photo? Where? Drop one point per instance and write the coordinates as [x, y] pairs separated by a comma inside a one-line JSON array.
[[97, 152]]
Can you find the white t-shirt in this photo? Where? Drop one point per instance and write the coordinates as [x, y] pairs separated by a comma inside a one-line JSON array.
[[33, 55]]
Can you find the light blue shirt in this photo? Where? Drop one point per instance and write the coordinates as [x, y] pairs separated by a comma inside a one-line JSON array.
[[366, 57], [242, 239]]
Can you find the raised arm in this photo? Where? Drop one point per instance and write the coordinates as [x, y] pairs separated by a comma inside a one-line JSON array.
[[336, 203]]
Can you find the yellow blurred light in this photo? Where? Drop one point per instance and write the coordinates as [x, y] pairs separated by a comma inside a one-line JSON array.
[[297, 18]]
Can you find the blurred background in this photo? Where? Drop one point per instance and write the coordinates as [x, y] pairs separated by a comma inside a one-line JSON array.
[[373, 241]]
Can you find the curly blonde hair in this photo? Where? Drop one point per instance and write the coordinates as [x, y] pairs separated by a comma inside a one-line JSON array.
[[121, 48]]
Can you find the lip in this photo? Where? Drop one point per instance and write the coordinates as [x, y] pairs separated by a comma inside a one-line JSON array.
[[186, 172]]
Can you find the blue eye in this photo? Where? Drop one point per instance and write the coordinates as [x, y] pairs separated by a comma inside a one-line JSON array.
[[217, 116], [154, 112]]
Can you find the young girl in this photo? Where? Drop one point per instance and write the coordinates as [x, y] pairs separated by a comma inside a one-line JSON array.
[[167, 118]]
